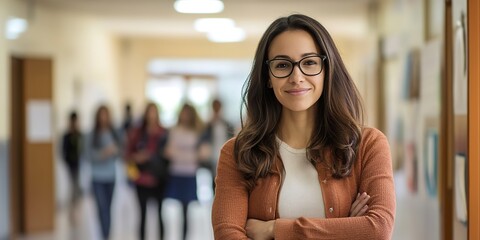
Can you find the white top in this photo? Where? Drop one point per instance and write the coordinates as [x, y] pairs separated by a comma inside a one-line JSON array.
[[182, 146], [301, 194]]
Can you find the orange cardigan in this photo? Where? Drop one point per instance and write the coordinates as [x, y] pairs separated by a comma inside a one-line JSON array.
[[372, 173]]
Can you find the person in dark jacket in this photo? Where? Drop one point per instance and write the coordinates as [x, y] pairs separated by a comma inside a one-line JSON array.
[[71, 152], [217, 131]]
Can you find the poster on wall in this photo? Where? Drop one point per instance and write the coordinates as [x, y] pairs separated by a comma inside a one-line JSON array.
[[460, 187], [39, 121], [460, 84], [430, 161]]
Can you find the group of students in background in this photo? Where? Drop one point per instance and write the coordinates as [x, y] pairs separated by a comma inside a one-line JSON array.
[[159, 162]]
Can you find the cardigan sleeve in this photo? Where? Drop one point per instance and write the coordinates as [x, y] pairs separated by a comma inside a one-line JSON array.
[[230, 206], [376, 178]]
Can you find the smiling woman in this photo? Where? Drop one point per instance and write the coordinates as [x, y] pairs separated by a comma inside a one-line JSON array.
[[303, 166]]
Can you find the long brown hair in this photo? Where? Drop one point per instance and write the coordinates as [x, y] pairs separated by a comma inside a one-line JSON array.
[[193, 122], [97, 127], [145, 117], [339, 117]]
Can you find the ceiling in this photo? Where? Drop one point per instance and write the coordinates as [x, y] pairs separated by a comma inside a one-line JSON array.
[[346, 18]]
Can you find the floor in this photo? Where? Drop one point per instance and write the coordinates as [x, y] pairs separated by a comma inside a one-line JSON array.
[[125, 214]]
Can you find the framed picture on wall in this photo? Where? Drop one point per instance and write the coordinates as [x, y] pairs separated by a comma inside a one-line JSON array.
[[461, 175], [430, 161], [434, 18]]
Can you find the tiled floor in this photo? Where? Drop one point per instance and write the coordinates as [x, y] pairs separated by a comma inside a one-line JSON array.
[[125, 216]]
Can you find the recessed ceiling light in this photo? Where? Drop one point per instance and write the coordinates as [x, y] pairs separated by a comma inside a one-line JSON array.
[[198, 6], [235, 34], [15, 26], [213, 24]]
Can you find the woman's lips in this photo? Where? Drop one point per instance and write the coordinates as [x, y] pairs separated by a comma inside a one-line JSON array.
[[298, 91]]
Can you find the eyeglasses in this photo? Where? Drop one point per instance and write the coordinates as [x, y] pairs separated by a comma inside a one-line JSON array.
[[310, 66]]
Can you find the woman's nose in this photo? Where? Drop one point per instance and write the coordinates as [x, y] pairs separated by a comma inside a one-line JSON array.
[[297, 75]]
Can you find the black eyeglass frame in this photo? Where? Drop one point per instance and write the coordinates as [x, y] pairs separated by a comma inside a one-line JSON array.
[[323, 57]]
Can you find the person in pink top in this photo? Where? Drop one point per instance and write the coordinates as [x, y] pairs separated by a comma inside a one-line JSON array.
[[182, 150], [303, 166], [145, 146]]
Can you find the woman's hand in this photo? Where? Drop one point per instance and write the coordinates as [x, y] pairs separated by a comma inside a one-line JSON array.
[[260, 230], [109, 151], [359, 207], [141, 156]]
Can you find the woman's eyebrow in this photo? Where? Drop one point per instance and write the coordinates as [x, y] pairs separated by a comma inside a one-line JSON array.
[[310, 53], [282, 56], [287, 57]]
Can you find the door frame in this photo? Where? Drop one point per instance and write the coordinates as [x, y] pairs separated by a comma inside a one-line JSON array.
[[473, 8]]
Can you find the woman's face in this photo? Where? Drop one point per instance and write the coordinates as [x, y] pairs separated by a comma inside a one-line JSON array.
[[104, 118], [185, 116], [297, 92], [152, 114]]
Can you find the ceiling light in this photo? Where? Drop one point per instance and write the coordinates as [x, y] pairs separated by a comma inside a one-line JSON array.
[[228, 35], [198, 6], [213, 24], [15, 26]]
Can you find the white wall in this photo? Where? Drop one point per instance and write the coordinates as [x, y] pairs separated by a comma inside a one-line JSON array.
[[4, 86], [4, 103]]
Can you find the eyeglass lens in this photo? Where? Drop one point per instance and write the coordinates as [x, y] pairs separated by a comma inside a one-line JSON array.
[[284, 67]]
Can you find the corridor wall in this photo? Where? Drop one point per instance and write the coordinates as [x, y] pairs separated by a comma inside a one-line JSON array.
[[4, 108], [412, 84]]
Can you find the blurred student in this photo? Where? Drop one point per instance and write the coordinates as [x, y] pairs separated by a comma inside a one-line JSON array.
[[71, 152], [127, 118], [216, 133], [127, 128], [145, 150], [103, 150], [181, 149]]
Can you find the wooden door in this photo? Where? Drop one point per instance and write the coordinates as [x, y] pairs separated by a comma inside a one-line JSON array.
[[33, 204]]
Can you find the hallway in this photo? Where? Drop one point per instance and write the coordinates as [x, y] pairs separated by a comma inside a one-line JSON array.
[[415, 64]]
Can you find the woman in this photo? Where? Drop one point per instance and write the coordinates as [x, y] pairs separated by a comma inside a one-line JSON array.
[[145, 150], [182, 151], [303, 163], [102, 150]]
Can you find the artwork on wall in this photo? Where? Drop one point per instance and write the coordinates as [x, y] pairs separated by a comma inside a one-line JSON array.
[[434, 18], [460, 83], [411, 166], [411, 82], [461, 176], [430, 161]]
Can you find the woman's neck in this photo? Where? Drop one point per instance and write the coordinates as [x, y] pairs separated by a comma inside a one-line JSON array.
[[296, 128]]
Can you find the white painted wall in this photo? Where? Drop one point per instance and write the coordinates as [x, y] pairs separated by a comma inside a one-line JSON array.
[[4, 103]]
